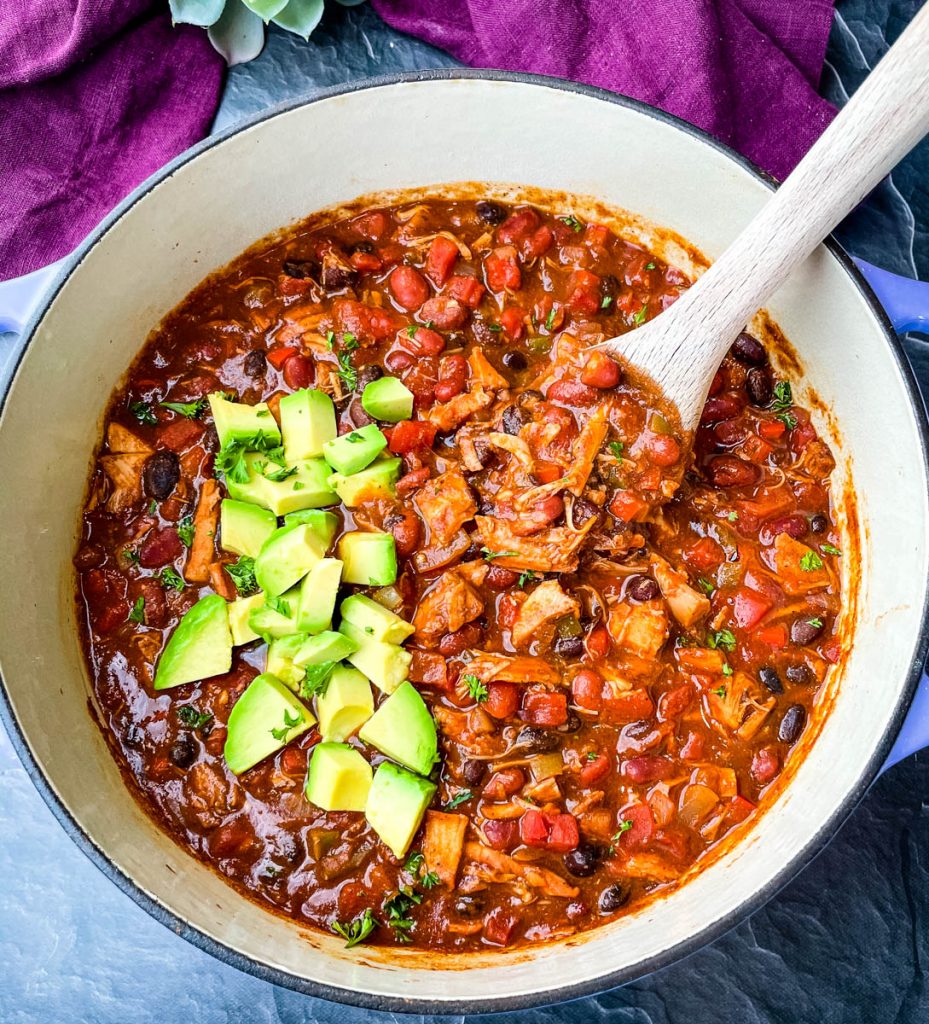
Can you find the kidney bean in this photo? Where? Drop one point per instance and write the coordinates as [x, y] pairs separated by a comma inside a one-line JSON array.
[[642, 588], [499, 578], [805, 631], [299, 372], [600, 371], [731, 471], [730, 432], [749, 350], [160, 474], [572, 392], [793, 525], [453, 375], [159, 548], [501, 834], [445, 313], [502, 699], [792, 724], [408, 286], [460, 640], [424, 342], [662, 449], [759, 386], [721, 407], [765, 765], [587, 690], [544, 707], [647, 768], [504, 783], [397, 361]]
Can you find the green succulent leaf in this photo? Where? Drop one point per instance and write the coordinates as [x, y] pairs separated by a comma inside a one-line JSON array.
[[300, 16], [239, 35], [265, 9], [196, 12]]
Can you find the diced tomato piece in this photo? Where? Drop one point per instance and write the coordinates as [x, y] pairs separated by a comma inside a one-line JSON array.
[[649, 479], [544, 707], [547, 472], [583, 292], [294, 285], [596, 236], [371, 225], [647, 768], [409, 435], [365, 262], [600, 371], [739, 809], [774, 636], [421, 379], [408, 286], [428, 669], [749, 607], [587, 690], [511, 320], [499, 926], [693, 747], [159, 548], [443, 254], [536, 244], [466, 289], [181, 434], [278, 356], [502, 699], [533, 828], [705, 554], [675, 701], [629, 706], [755, 449], [563, 833], [627, 507], [501, 269], [595, 770], [518, 225], [640, 827], [832, 650], [771, 430], [598, 642], [765, 765]]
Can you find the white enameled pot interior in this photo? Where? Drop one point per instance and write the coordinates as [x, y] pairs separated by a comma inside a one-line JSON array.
[[204, 213]]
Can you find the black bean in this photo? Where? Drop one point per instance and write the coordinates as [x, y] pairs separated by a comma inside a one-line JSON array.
[[759, 387], [336, 276], [569, 646], [532, 740], [771, 679], [183, 751], [301, 269], [472, 771], [530, 398], [582, 861], [614, 896], [486, 508], [357, 414], [572, 725], [363, 247], [161, 474], [749, 350], [642, 588], [255, 363], [513, 419], [514, 360], [819, 523], [582, 510], [483, 451], [800, 675], [469, 906], [484, 334], [135, 737], [490, 212], [805, 631], [367, 374], [792, 724]]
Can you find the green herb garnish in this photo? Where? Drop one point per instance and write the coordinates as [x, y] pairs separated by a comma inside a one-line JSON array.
[[462, 796], [349, 342], [414, 862], [573, 223], [720, 692], [330, 338], [624, 826], [316, 680], [476, 689], [788, 419], [398, 908], [281, 734], [189, 409], [138, 610], [347, 372], [144, 413], [527, 577], [429, 880], [243, 574], [193, 718], [706, 586], [727, 669], [810, 562], [607, 302], [491, 555], [185, 530], [356, 931], [277, 604], [829, 549], [783, 396], [639, 318], [550, 319], [649, 266], [724, 639], [815, 623], [616, 450], [132, 557], [169, 578]]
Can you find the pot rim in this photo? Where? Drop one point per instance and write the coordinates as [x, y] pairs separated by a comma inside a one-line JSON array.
[[610, 979]]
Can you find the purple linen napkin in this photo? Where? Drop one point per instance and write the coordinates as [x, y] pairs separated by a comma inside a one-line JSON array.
[[745, 70], [95, 95]]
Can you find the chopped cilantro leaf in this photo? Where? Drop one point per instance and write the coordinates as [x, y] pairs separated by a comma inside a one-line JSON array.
[[527, 577], [550, 319], [815, 623], [616, 449], [169, 578], [720, 692], [639, 318], [733, 517], [144, 413], [706, 586], [349, 342], [316, 680], [193, 718], [277, 604], [829, 549], [131, 556], [783, 396], [462, 796], [607, 302], [185, 530], [398, 907], [624, 826], [189, 409], [281, 734], [243, 574], [356, 931], [573, 223], [414, 862], [723, 639], [476, 689], [810, 562], [489, 555], [347, 371], [788, 419], [649, 266], [429, 880], [138, 610], [330, 339], [727, 669]]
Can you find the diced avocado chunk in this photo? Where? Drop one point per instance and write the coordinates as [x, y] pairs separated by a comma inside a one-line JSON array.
[[305, 488], [378, 622], [200, 646], [239, 612], [369, 559], [307, 423], [403, 729], [378, 480], [386, 665], [351, 452], [286, 557], [345, 704], [318, 593], [277, 619], [244, 527], [281, 653], [321, 522], [338, 778], [397, 803], [237, 422], [328, 646], [387, 399], [265, 718]]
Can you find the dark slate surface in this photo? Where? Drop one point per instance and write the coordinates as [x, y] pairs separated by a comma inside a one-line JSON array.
[[848, 941]]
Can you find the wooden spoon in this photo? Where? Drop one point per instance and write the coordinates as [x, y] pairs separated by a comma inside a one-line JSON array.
[[680, 350]]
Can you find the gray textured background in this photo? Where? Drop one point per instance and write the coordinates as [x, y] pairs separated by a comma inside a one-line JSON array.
[[848, 941]]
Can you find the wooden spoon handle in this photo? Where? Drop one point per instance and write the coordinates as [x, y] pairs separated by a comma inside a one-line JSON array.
[[881, 123]]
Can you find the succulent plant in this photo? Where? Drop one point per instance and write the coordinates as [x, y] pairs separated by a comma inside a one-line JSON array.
[[236, 28]]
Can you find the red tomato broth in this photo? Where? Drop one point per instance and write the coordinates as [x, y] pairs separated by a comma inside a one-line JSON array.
[[258, 830]]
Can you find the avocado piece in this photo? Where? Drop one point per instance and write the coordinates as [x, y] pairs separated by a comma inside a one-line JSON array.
[[328, 646], [351, 452], [387, 399], [404, 730], [265, 718], [378, 622], [238, 422], [345, 704], [338, 778], [281, 653], [378, 480], [386, 665], [369, 559], [244, 527], [277, 619], [239, 612], [200, 647], [396, 806], [307, 423], [323, 523], [286, 557], [306, 488], [318, 593]]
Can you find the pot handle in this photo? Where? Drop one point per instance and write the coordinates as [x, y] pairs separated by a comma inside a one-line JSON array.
[[20, 296], [914, 733], [905, 300]]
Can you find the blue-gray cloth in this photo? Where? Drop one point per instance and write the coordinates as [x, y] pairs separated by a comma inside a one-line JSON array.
[[846, 943]]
